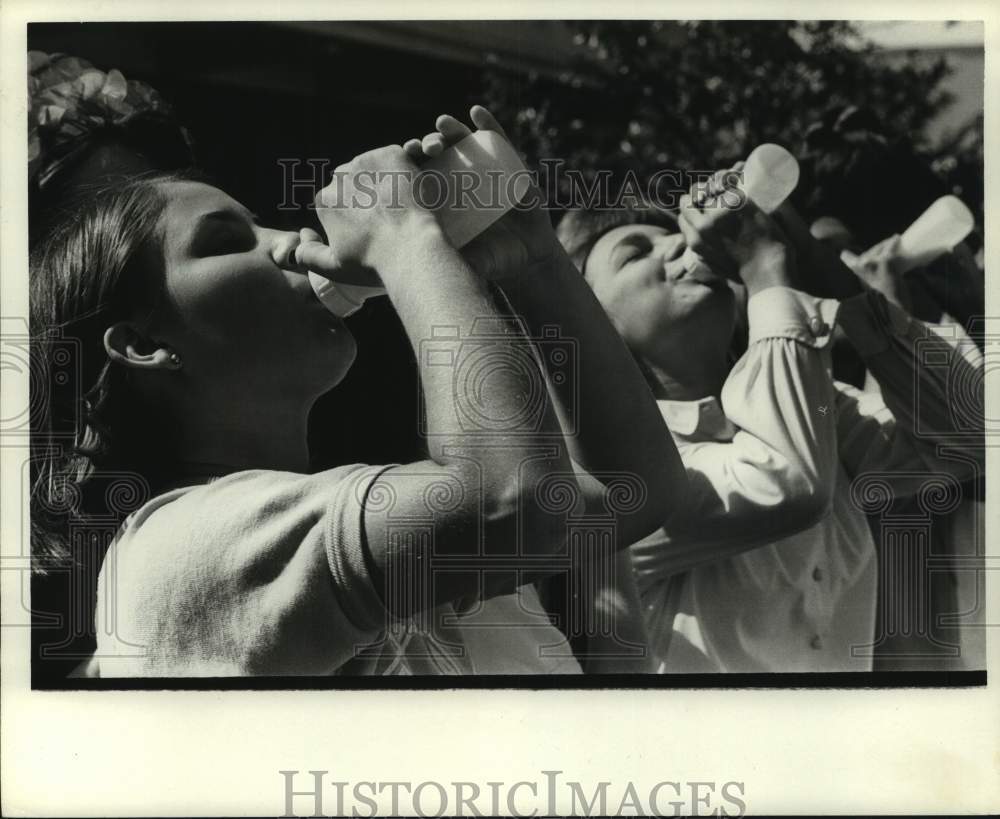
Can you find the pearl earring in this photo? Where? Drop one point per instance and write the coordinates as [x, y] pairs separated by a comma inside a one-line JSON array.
[[175, 360]]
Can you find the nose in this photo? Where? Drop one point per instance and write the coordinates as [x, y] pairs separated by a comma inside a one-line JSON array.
[[282, 248], [669, 246]]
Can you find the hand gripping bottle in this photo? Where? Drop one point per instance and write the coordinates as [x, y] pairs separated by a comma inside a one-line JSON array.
[[769, 176], [472, 184], [935, 232]]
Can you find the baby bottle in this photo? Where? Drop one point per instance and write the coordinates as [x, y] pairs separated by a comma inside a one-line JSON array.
[[498, 180], [770, 174], [935, 232]]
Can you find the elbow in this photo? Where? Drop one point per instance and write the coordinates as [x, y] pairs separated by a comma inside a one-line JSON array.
[[793, 490], [530, 511]]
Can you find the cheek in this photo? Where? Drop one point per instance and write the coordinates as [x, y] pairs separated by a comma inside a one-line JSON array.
[[233, 302]]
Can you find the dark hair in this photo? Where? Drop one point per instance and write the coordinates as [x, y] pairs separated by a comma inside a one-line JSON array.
[[579, 230], [147, 143], [96, 267]]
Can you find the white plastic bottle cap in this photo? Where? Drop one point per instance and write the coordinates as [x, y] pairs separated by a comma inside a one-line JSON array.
[[770, 175], [499, 180], [341, 299], [936, 231]]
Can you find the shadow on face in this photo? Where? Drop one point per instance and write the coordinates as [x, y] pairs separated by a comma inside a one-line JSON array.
[[238, 319]]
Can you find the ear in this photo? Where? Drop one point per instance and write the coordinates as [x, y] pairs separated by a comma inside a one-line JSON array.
[[125, 344]]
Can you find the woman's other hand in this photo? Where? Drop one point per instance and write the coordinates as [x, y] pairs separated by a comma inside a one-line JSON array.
[[878, 268]]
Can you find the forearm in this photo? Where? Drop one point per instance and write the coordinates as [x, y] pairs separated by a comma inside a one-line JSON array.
[[828, 276], [478, 496], [480, 491], [607, 410], [933, 389], [449, 315]]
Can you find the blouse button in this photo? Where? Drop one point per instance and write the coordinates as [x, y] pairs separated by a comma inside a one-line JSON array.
[[818, 327], [816, 642], [817, 574]]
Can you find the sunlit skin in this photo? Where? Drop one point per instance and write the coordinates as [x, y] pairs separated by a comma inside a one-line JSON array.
[[679, 320], [257, 346]]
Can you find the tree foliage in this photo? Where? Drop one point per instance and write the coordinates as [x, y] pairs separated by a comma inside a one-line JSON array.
[[645, 95]]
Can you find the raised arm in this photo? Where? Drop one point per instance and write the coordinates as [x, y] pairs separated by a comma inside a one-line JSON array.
[[615, 432], [616, 436], [929, 416], [478, 501], [605, 408], [773, 473]]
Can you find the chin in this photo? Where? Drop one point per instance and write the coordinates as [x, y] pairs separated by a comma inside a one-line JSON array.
[[338, 356]]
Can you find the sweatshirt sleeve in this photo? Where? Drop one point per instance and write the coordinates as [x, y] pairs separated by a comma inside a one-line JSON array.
[[257, 573]]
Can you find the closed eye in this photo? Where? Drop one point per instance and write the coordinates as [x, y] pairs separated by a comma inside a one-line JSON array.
[[222, 233], [630, 248]]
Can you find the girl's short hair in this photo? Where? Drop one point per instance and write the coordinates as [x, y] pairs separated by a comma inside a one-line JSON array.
[[579, 230]]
